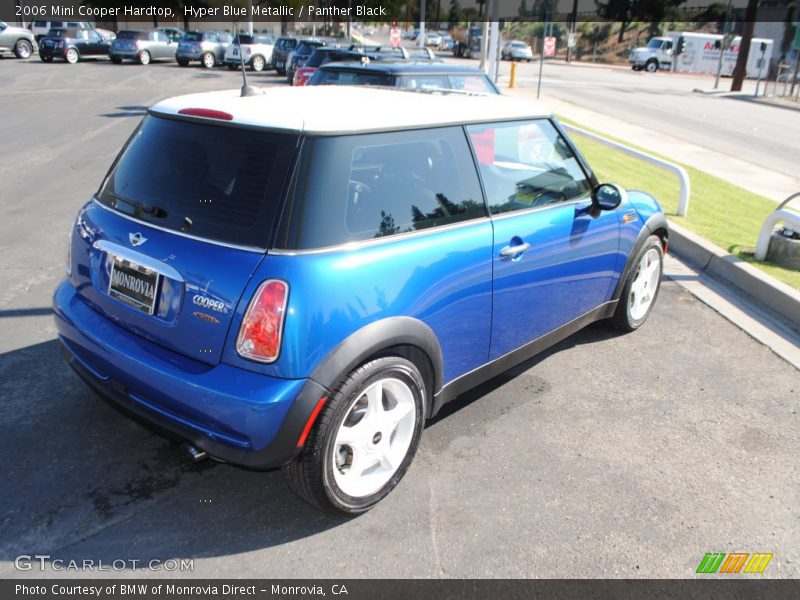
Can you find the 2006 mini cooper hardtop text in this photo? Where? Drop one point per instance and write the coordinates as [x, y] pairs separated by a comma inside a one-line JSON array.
[[303, 288]]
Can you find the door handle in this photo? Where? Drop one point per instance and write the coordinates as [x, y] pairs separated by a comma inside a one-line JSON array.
[[512, 251]]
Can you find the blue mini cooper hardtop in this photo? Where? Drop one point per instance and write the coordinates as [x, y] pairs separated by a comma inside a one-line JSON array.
[[300, 278]]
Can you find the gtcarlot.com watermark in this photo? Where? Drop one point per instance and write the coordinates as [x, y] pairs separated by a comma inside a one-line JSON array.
[[44, 562]]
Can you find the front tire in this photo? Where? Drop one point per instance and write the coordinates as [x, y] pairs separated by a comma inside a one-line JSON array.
[[23, 49], [144, 57], [642, 286], [651, 66], [182, 62], [72, 56], [364, 439], [116, 60]]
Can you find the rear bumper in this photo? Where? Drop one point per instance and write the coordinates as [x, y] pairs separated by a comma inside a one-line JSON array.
[[236, 416], [130, 54]]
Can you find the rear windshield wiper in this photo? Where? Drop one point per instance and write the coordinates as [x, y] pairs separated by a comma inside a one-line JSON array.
[[138, 209]]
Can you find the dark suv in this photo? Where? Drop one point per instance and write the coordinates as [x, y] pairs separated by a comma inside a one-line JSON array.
[[280, 54], [72, 44], [418, 76], [324, 55]]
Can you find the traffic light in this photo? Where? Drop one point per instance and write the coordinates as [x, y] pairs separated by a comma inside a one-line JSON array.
[[717, 44], [763, 47], [681, 44]]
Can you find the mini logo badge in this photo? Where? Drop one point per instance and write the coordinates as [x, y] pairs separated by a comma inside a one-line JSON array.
[[136, 239]]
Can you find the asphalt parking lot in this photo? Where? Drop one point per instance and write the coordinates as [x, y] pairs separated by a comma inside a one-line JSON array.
[[608, 456]]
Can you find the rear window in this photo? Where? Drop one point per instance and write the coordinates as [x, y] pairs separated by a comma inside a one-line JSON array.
[[360, 187], [131, 35], [243, 39], [286, 44], [331, 77], [62, 33], [215, 182], [193, 36]]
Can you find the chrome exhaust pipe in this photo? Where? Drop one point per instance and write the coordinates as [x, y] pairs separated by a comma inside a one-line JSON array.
[[194, 453]]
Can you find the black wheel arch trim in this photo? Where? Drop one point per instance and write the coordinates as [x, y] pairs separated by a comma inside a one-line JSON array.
[[656, 222], [375, 339]]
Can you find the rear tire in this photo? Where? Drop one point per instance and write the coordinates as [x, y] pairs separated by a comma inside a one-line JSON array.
[[46, 58], [23, 49], [209, 60], [182, 62], [116, 60], [72, 56], [363, 440], [641, 288], [257, 63]]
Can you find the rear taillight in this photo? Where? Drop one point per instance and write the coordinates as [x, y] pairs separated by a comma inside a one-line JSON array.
[[302, 75], [262, 328]]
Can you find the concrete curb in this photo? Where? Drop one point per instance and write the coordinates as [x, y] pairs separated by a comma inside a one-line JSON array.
[[707, 257]]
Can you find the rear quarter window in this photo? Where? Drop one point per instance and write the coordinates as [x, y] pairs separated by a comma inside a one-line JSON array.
[[361, 187]]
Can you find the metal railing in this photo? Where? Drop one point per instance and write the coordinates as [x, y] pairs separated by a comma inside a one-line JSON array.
[[680, 172], [782, 213]]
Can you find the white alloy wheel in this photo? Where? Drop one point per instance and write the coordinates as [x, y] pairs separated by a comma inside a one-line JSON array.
[[645, 284], [209, 61], [72, 56], [144, 57], [258, 63], [374, 437]]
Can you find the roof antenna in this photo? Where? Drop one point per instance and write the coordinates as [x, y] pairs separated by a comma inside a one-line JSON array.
[[246, 89]]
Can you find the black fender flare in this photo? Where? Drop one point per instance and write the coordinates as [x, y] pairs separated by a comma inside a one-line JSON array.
[[373, 340], [654, 223]]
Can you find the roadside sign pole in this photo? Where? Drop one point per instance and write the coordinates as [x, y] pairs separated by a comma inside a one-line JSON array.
[[249, 17], [541, 64], [422, 23], [761, 62], [722, 44]]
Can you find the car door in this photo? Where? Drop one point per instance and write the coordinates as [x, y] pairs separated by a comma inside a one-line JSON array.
[[554, 256]]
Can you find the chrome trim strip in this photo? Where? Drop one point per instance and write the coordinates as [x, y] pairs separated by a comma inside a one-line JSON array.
[[180, 233], [525, 211], [377, 241], [140, 259]]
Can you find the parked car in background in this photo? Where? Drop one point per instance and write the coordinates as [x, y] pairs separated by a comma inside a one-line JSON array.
[[324, 55], [447, 43], [280, 53], [431, 243], [144, 46], [420, 76], [433, 39], [208, 47], [516, 50], [39, 29], [254, 50], [16, 40], [297, 57], [72, 44]]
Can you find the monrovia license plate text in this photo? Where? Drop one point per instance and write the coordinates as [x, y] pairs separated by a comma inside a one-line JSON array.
[[134, 285]]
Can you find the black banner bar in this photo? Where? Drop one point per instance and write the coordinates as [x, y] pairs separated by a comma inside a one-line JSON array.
[[388, 589]]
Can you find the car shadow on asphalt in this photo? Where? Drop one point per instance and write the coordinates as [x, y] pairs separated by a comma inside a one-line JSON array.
[[81, 481], [127, 111]]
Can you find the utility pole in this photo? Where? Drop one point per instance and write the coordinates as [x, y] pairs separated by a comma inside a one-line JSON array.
[[573, 23], [740, 70], [494, 39], [422, 23], [541, 56]]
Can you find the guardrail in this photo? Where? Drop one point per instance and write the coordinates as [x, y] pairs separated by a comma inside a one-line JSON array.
[[683, 176], [779, 214]]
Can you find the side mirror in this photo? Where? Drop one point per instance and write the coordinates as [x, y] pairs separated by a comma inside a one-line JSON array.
[[608, 196]]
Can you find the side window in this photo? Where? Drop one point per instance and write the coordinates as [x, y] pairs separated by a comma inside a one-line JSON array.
[[359, 187], [423, 82], [525, 165], [56, 24], [668, 46]]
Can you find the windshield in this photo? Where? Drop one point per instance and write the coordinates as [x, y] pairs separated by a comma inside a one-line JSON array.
[[220, 183], [519, 44], [655, 44]]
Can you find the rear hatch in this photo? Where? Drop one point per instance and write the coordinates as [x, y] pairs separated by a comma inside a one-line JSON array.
[[178, 228]]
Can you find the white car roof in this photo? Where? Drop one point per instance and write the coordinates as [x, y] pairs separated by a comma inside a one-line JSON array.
[[352, 109]]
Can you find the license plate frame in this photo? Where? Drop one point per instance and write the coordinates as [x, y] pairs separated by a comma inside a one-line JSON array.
[[120, 289]]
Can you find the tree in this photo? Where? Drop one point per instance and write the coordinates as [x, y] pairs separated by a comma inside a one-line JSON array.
[[454, 16], [740, 70], [616, 10], [522, 11]]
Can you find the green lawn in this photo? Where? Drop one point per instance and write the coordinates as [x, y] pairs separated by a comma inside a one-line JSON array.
[[723, 213]]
